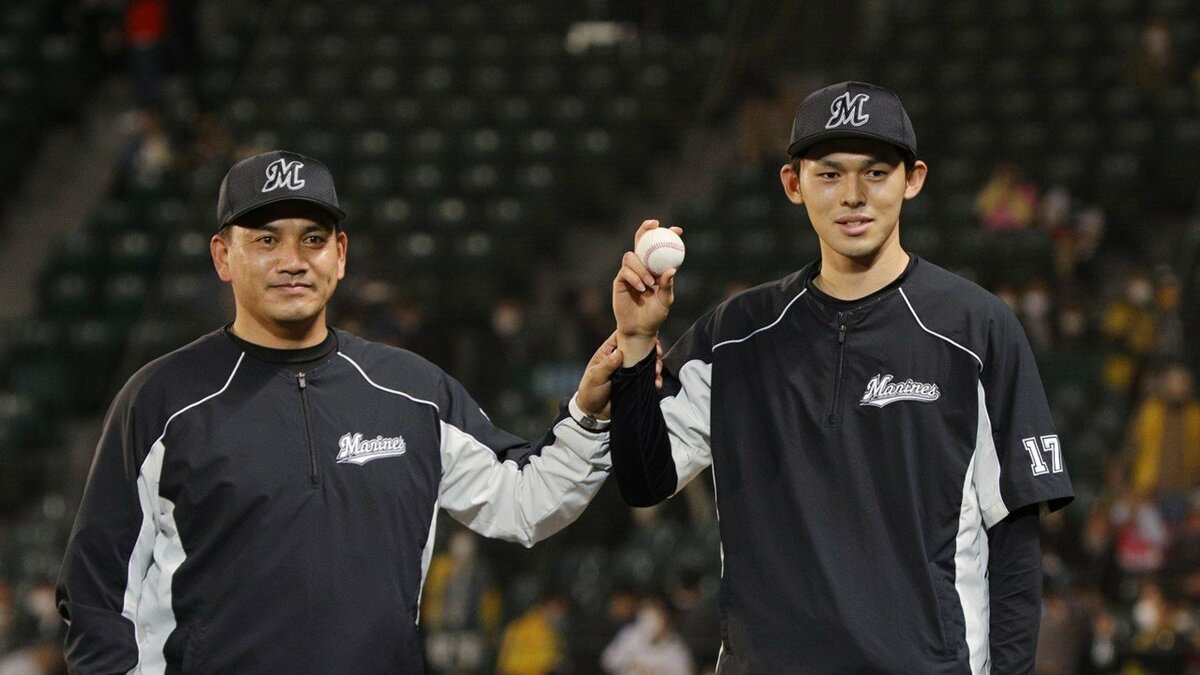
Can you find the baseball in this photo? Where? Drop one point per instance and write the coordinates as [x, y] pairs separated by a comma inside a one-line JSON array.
[[659, 249]]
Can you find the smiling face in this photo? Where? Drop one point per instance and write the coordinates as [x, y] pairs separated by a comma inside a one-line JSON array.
[[283, 271], [853, 189]]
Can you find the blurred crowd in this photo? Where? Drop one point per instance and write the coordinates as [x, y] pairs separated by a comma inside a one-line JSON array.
[[1122, 565]]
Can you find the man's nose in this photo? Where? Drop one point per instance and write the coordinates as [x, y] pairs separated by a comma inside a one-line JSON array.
[[292, 259], [853, 195]]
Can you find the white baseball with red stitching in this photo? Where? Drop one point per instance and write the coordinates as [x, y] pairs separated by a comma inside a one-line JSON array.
[[659, 249]]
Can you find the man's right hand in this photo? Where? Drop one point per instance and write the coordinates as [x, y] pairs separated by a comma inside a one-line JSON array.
[[641, 302]]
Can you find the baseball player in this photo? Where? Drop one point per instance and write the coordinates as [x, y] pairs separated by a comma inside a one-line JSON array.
[[264, 500], [879, 436]]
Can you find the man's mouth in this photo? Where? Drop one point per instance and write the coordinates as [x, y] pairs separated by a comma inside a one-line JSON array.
[[854, 225]]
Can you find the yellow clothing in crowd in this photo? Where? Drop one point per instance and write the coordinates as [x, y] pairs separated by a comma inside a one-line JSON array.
[[530, 646], [1166, 447]]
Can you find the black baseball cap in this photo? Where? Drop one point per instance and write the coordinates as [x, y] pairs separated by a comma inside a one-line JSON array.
[[275, 177], [855, 110]]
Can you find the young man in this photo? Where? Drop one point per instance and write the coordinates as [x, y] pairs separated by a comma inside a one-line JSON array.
[[879, 436], [264, 499]]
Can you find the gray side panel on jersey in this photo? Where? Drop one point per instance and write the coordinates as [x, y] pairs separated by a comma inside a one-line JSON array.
[[524, 505], [987, 468], [427, 557], [688, 416], [970, 574], [157, 554]]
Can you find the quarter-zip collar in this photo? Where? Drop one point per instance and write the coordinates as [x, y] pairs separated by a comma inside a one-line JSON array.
[[295, 359], [845, 305]]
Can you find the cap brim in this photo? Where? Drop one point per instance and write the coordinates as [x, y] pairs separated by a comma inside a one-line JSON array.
[[798, 147], [337, 213]]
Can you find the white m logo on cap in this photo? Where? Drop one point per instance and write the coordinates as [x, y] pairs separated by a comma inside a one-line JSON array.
[[281, 173], [846, 110]]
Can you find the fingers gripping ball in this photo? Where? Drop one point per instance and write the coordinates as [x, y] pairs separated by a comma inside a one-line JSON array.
[[659, 249]]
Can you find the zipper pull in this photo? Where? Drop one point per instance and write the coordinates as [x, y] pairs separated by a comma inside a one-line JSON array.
[[841, 335], [300, 380]]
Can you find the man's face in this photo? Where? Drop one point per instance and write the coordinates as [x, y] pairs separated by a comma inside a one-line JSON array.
[[853, 190], [283, 272]]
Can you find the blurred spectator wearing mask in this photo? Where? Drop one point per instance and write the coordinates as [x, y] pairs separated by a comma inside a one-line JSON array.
[[1128, 328], [460, 607], [648, 645], [533, 643], [1035, 311], [1165, 437], [1007, 200]]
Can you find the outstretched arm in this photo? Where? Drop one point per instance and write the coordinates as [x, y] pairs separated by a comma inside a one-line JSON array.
[[505, 487]]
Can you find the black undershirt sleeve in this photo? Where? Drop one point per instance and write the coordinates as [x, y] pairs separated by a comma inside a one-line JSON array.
[[1015, 584], [640, 446]]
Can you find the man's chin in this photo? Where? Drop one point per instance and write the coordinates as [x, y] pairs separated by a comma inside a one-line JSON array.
[[296, 316]]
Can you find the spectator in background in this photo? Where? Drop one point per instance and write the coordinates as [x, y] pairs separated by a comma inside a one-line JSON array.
[[460, 607], [145, 35], [595, 629], [1184, 559], [1168, 325], [1140, 535], [151, 155], [1062, 634], [1107, 642], [1035, 312], [1007, 201], [1128, 328], [1157, 644], [37, 616], [1152, 64], [533, 644], [649, 645], [42, 658], [7, 616], [697, 620], [1165, 436]]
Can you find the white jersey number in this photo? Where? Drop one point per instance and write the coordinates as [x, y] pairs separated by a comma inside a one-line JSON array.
[[1049, 444]]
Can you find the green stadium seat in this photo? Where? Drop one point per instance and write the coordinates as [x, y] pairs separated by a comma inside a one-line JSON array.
[[21, 424], [189, 250], [69, 295], [133, 251], [394, 215], [123, 296], [479, 179]]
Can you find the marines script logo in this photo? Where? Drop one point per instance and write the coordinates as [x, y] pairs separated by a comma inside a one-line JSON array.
[[846, 110], [282, 173], [882, 391], [355, 450]]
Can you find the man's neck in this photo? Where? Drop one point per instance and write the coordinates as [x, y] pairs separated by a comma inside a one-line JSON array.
[[300, 336], [850, 279]]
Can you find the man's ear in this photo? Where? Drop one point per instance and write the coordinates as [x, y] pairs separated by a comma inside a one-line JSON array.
[[343, 243], [791, 183], [914, 179], [218, 246]]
